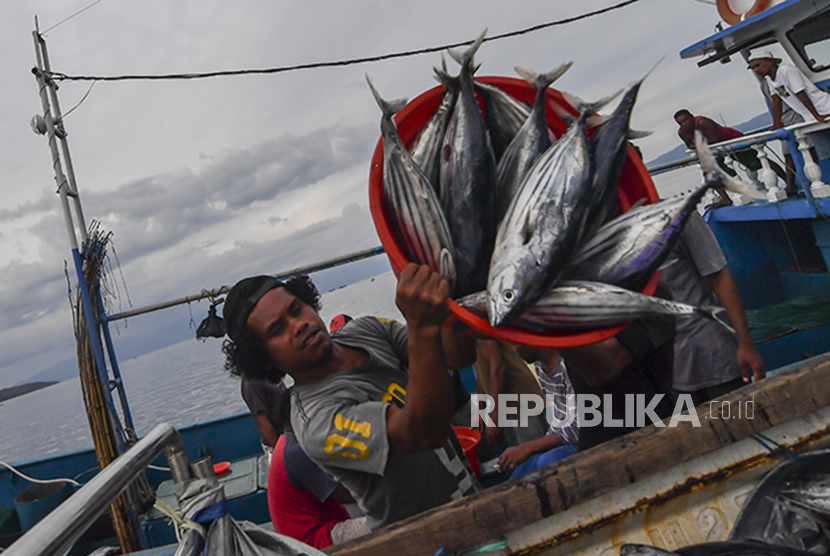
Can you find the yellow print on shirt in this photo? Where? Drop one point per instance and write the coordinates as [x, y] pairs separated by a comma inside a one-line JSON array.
[[395, 394], [336, 443]]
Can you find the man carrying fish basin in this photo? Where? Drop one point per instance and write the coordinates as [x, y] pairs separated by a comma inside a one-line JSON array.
[[629, 375], [372, 404]]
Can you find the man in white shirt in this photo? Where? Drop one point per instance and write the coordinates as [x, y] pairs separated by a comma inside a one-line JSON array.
[[786, 83]]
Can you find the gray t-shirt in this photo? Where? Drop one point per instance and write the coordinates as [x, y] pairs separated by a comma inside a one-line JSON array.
[[340, 422], [705, 353]]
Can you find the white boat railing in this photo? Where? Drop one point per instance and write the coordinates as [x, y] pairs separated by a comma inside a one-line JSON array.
[[812, 171], [57, 532]]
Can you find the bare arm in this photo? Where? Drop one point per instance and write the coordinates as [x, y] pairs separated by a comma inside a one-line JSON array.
[[511, 457], [729, 296], [598, 363], [342, 495], [490, 351], [690, 143], [422, 423], [266, 429], [707, 128], [459, 348], [777, 109], [805, 100]]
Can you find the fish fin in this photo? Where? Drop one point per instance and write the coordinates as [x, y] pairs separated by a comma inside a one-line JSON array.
[[643, 78], [638, 134], [717, 314], [597, 120], [528, 227], [543, 80], [562, 112], [573, 100], [389, 108], [714, 176], [467, 56], [446, 267], [582, 106], [668, 262]]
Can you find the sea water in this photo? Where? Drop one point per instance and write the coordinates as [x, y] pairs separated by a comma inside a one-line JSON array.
[[180, 384]]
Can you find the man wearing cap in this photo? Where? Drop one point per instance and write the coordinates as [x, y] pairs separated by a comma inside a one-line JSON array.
[[786, 83], [371, 406]]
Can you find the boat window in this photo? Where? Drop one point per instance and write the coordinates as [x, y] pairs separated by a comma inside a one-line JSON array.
[[811, 39]]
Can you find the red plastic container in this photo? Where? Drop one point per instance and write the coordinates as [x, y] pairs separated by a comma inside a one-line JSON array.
[[469, 439], [635, 184]]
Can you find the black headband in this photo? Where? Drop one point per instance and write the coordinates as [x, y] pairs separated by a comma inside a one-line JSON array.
[[243, 307]]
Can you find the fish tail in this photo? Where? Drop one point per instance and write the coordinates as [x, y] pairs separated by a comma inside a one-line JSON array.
[[562, 112], [543, 80], [587, 109], [714, 174], [717, 314], [389, 108], [638, 134], [466, 57], [654, 67]]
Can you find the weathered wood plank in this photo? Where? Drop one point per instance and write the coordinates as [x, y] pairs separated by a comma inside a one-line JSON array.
[[801, 389]]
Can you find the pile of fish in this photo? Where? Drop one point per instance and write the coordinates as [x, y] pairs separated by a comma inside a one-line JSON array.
[[505, 211], [720, 548]]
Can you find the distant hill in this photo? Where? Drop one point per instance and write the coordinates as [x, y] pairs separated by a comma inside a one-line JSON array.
[[761, 121], [15, 391], [64, 370]]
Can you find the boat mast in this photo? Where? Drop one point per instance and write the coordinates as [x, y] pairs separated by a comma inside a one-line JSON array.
[[107, 431]]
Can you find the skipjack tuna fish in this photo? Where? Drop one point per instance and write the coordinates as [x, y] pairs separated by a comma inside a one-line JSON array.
[[532, 139], [719, 548], [563, 190], [581, 305], [414, 210], [542, 226], [629, 249], [426, 150], [468, 175]]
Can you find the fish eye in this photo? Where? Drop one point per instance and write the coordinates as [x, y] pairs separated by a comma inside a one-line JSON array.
[[508, 295]]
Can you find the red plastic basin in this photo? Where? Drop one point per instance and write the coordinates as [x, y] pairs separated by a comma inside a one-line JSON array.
[[635, 184]]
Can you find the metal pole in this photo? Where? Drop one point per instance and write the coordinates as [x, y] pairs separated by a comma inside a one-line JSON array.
[[58, 121], [221, 290], [65, 190], [58, 531], [50, 134]]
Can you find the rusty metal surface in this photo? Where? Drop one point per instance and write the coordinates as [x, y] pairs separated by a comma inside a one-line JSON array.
[[693, 503]]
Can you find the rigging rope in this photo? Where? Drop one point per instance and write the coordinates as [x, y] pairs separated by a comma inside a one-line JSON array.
[[38, 481], [337, 63]]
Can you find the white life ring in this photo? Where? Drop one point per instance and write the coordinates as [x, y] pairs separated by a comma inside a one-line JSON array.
[[730, 16]]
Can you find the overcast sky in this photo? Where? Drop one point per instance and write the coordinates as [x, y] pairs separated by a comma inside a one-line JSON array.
[[204, 182]]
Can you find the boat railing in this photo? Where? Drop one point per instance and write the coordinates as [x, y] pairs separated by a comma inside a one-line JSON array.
[[57, 532], [756, 140]]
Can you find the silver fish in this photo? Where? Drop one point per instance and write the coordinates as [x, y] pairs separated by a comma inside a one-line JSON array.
[[532, 139], [740, 548], [582, 305], [505, 116], [628, 250], [468, 172], [415, 215], [812, 494], [632, 549], [426, 149], [541, 228], [610, 147]]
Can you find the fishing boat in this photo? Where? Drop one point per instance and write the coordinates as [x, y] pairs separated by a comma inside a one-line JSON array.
[[669, 487]]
